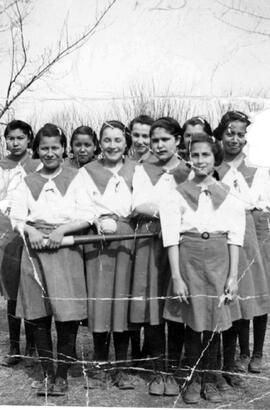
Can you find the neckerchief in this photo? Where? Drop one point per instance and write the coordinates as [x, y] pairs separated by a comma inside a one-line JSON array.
[[155, 169], [28, 164], [191, 193]]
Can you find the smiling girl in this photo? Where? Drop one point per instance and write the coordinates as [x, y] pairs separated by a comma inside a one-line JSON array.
[[49, 204], [83, 146], [108, 265], [202, 227]]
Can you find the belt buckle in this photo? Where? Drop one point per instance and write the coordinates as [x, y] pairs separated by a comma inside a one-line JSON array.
[[205, 235]]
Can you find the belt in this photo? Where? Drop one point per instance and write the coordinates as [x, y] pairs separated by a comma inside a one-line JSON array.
[[205, 235]]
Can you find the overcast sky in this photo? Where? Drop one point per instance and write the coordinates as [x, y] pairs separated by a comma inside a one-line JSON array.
[[187, 50]]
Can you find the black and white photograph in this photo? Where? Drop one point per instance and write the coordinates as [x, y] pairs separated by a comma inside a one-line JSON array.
[[135, 203]]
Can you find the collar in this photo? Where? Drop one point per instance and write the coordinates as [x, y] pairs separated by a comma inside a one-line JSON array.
[[101, 175], [247, 171], [155, 169], [27, 163], [35, 181], [191, 193]]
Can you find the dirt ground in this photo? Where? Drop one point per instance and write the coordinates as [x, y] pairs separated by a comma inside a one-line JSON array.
[[15, 384]]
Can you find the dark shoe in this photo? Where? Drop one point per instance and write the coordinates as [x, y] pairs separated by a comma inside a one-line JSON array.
[[60, 387], [46, 387], [241, 364], [97, 380], [255, 364], [123, 382], [76, 369], [12, 358], [235, 381], [171, 387], [227, 391], [156, 386], [192, 393], [211, 393]]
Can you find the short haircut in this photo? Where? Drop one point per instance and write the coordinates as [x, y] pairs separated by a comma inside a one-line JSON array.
[[227, 118], [169, 124], [211, 140], [23, 126], [120, 126], [141, 119], [198, 121], [49, 130], [84, 129]]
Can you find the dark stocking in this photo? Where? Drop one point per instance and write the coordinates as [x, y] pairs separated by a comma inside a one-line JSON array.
[[66, 340], [259, 329]]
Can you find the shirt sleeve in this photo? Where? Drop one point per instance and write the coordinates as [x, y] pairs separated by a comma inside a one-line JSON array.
[[170, 219], [237, 215], [84, 206]]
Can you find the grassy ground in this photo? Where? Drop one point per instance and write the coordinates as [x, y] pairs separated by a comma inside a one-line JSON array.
[[15, 384]]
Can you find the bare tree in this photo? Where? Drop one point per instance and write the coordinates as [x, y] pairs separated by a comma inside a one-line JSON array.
[[24, 72], [252, 17]]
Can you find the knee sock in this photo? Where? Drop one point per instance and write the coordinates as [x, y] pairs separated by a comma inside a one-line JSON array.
[[155, 341], [101, 346], [14, 325], [229, 338], [135, 338], [210, 348], [176, 337], [243, 336], [121, 341], [66, 341], [193, 346], [259, 329], [43, 340]]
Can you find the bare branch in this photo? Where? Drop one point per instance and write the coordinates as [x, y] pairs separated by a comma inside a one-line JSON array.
[[160, 6], [243, 11], [48, 58]]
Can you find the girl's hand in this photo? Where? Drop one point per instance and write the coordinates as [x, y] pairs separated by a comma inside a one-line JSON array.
[[36, 239], [180, 289], [55, 238], [231, 288]]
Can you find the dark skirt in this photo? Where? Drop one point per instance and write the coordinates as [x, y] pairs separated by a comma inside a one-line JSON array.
[[252, 281], [150, 276], [52, 283], [11, 245], [204, 267], [108, 274], [262, 225]]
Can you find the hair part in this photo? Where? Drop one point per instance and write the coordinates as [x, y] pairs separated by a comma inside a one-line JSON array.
[[169, 124], [24, 127], [211, 140], [141, 119], [198, 120], [85, 130], [49, 130], [226, 119]]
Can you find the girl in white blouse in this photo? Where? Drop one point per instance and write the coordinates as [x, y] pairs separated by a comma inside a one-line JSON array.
[[49, 204], [202, 227]]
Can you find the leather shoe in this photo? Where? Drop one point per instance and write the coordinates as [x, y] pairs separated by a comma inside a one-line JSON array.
[[211, 393], [12, 358], [60, 387], [46, 386], [171, 387], [156, 386], [192, 393], [255, 364], [122, 381]]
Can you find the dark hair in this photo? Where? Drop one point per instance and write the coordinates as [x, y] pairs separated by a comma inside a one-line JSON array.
[[227, 118], [198, 121], [141, 119], [26, 129], [211, 140], [49, 130], [121, 127], [84, 129], [169, 124]]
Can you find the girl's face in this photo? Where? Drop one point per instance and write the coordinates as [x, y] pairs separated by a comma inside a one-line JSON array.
[[202, 158], [233, 137], [50, 152], [113, 144], [17, 142], [164, 145], [190, 131], [140, 137], [83, 148]]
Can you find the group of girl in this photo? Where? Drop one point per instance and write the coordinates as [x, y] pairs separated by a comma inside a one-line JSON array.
[[196, 285]]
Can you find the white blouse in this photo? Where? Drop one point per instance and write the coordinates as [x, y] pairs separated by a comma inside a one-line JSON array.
[[116, 198], [177, 217], [51, 206], [145, 192]]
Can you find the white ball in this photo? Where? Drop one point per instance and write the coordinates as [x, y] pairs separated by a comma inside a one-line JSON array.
[[108, 225]]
